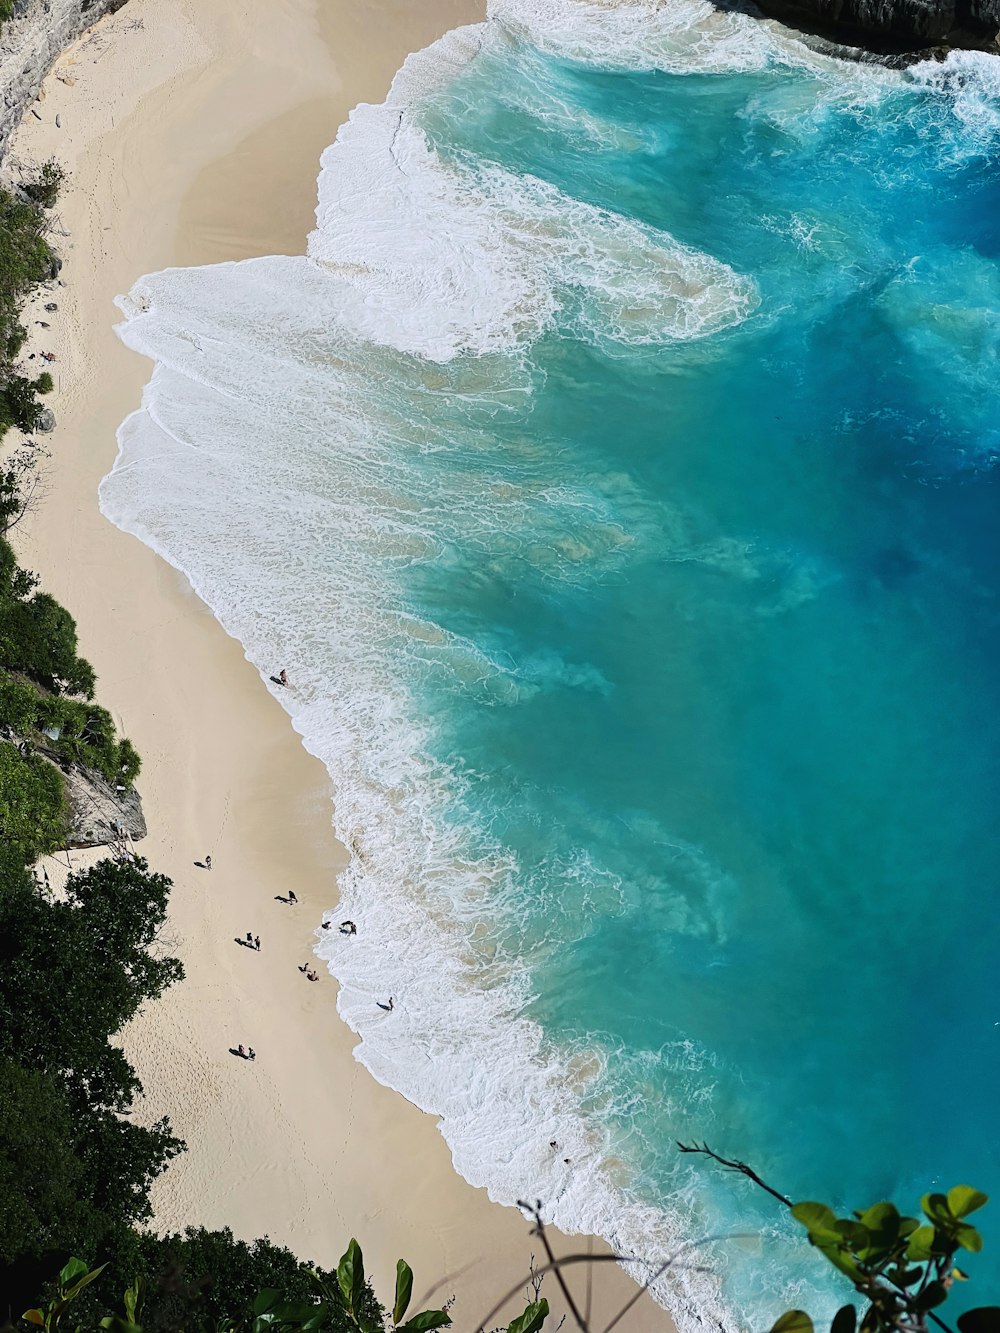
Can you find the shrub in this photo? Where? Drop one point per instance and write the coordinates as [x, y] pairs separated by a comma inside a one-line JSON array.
[[32, 804]]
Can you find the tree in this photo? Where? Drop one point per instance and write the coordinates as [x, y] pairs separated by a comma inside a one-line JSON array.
[[57, 1018], [40, 1175]]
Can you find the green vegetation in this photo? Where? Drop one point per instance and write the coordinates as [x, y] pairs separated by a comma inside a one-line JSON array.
[[32, 805], [901, 1268], [46, 696], [26, 260]]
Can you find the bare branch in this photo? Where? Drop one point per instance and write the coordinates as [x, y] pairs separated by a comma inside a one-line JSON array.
[[740, 1167]]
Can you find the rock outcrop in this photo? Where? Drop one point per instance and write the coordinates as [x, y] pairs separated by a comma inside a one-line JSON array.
[[889, 26], [100, 815], [29, 44]]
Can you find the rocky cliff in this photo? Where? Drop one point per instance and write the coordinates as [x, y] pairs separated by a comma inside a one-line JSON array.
[[894, 25], [29, 43]]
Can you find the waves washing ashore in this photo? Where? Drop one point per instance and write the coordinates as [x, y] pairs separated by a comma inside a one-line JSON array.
[[587, 478]]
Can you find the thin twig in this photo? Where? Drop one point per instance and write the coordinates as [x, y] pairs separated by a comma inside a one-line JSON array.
[[540, 1228], [741, 1167]]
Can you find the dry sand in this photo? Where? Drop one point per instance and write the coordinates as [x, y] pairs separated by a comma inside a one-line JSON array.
[[191, 130]]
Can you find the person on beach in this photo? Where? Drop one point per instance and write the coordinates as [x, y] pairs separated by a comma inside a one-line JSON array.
[[256, 943], [387, 1007], [348, 928], [208, 863], [251, 1054], [327, 925], [292, 900], [312, 976], [249, 939], [283, 676], [241, 1051], [304, 968]]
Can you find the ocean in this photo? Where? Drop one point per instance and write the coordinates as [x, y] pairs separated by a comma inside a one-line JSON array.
[[616, 480]]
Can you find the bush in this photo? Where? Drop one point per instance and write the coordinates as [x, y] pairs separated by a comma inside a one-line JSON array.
[[44, 188], [18, 706], [32, 805]]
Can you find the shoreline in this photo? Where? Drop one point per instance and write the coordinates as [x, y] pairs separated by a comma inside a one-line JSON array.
[[175, 132]]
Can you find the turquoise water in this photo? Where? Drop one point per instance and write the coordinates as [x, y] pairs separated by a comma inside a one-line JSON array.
[[693, 590], [778, 730]]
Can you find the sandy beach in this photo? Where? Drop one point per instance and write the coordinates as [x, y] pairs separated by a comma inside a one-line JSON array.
[[191, 132]]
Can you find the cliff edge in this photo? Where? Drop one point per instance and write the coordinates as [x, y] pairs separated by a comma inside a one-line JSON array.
[[894, 26], [31, 41]]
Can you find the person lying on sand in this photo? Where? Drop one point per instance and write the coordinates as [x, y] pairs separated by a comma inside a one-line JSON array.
[[348, 928]]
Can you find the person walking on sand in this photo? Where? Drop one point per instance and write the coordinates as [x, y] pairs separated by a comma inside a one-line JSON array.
[[256, 943], [292, 900], [283, 676], [208, 863], [251, 1054], [249, 939]]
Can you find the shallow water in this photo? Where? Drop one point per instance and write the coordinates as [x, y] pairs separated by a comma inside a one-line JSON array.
[[617, 482]]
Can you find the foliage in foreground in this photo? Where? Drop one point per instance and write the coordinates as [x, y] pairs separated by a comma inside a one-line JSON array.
[[338, 1302], [902, 1268]]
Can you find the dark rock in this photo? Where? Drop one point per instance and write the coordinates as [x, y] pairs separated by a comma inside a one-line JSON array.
[[46, 421], [894, 26], [51, 306], [55, 268]]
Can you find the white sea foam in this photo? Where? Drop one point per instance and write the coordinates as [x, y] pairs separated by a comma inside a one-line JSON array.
[[441, 258]]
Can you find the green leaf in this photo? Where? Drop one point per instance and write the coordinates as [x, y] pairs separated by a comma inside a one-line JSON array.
[[969, 1238], [74, 1268], [85, 1281], [935, 1293], [963, 1199], [34, 1317], [815, 1217], [985, 1319], [921, 1245], [351, 1276], [935, 1207], [845, 1320], [852, 1233], [905, 1277], [426, 1319], [266, 1300], [532, 1319], [794, 1321], [880, 1216], [404, 1289]]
